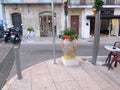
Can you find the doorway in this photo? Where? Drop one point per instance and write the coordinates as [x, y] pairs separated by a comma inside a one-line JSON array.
[[17, 22], [75, 23]]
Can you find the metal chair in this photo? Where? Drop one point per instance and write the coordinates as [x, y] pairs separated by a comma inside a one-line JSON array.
[[115, 60], [115, 55]]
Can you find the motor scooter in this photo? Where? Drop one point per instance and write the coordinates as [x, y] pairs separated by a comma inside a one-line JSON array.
[[15, 35], [6, 35]]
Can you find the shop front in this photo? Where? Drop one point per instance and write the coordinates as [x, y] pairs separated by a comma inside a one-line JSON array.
[[109, 23]]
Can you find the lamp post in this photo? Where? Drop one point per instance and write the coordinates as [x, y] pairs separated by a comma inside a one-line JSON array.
[[96, 37], [66, 12], [96, 11], [52, 4]]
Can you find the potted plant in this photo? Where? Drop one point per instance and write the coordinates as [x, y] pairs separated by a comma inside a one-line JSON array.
[[31, 33], [69, 47]]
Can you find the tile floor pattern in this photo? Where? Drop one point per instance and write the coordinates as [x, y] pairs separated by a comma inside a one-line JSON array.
[[49, 76]]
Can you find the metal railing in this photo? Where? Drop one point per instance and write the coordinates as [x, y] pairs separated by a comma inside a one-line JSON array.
[[91, 2], [31, 1]]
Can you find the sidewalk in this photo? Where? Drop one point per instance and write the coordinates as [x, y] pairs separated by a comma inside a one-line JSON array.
[[49, 76], [49, 40]]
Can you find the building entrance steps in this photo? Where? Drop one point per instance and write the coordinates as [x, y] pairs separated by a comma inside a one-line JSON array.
[[49, 76]]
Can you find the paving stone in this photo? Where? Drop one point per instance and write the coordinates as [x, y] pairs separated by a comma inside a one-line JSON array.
[[49, 76]]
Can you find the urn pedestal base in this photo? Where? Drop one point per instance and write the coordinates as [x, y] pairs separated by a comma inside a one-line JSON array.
[[72, 62]]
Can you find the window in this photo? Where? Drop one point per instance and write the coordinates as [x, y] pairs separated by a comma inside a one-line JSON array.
[[110, 2], [75, 2], [107, 11]]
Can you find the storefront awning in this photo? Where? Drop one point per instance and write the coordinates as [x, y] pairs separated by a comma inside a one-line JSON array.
[[104, 17]]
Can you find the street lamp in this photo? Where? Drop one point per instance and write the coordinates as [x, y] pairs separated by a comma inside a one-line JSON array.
[[66, 12], [96, 11]]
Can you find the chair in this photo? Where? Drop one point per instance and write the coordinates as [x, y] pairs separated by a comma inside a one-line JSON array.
[[115, 54], [115, 59]]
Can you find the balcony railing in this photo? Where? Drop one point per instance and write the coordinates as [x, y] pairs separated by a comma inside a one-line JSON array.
[[31, 1], [91, 2]]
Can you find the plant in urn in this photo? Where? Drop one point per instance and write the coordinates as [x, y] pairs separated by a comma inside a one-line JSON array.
[[69, 47]]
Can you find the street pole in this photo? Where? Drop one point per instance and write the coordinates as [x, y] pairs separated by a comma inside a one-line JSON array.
[[17, 59], [65, 21], [53, 32], [96, 37], [66, 12], [96, 11]]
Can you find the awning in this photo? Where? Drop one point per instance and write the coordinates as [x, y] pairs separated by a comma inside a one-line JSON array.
[[104, 17]]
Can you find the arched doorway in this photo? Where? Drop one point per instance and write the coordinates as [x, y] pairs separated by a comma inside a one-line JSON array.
[[45, 19], [17, 22]]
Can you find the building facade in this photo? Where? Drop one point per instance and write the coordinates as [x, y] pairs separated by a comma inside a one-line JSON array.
[[37, 13], [1, 10], [81, 17]]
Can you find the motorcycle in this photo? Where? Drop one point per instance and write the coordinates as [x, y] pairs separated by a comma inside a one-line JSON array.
[[12, 34], [6, 35], [15, 34]]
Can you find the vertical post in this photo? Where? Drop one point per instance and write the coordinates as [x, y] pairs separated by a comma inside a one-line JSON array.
[[53, 32], [96, 37], [66, 12], [65, 21], [17, 60]]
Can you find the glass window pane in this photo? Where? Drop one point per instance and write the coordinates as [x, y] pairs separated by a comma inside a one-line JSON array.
[[75, 2]]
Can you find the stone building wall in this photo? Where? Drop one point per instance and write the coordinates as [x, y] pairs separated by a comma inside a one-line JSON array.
[[30, 15]]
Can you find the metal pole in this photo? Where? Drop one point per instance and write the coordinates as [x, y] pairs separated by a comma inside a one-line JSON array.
[[96, 37], [65, 21], [17, 59], [53, 32]]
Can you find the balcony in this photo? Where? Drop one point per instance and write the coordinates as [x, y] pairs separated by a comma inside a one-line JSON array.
[[91, 2], [31, 1], [111, 2]]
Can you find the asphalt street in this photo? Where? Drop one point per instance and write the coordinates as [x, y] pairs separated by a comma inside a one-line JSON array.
[[31, 54]]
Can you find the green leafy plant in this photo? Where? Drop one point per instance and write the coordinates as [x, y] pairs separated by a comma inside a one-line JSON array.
[[71, 33], [30, 29], [98, 5]]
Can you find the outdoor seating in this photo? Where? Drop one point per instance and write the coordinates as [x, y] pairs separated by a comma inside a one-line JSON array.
[[115, 60], [113, 56]]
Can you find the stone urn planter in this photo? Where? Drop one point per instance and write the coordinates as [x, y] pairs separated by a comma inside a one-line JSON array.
[[31, 32], [69, 48]]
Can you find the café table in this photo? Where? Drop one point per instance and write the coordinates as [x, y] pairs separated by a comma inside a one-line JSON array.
[[111, 49]]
